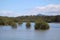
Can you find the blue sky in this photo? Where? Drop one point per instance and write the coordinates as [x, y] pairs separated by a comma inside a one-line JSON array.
[[21, 6]]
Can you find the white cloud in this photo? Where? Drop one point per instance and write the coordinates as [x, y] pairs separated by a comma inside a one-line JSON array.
[[50, 9], [9, 13]]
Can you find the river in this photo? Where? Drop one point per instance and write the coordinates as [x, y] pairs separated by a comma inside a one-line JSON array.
[[21, 32]]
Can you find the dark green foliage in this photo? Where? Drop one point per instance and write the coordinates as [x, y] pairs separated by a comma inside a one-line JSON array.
[[28, 24], [2, 23], [7, 21], [44, 18], [41, 25], [19, 20], [12, 24]]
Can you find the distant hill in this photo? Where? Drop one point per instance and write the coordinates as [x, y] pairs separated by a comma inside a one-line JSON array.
[[41, 15], [46, 15]]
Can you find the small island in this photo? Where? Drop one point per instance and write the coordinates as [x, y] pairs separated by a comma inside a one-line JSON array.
[[28, 24], [41, 25], [41, 22]]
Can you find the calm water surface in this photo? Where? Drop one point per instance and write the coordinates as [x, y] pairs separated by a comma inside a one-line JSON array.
[[21, 32]]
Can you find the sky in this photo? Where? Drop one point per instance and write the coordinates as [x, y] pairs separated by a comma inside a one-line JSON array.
[[29, 7]]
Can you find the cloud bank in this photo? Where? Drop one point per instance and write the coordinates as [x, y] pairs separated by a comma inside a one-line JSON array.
[[51, 9], [9, 13]]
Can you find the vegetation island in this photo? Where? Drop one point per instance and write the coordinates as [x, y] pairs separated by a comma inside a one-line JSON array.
[[41, 22]]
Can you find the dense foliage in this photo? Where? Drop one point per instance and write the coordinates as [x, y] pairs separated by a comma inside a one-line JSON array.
[[41, 25], [28, 24], [13, 20], [44, 18]]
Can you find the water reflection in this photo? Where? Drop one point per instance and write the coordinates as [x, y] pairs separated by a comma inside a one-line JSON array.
[[28, 27], [24, 33], [14, 27], [17, 25]]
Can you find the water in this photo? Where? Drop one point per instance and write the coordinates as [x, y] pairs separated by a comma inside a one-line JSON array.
[[22, 33]]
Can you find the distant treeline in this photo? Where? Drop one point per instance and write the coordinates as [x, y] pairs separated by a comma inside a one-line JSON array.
[[31, 18], [44, 18]]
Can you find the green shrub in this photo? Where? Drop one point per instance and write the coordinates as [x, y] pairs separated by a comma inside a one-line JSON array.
[[41, 25], [12, 24], [28, 24], [2, 22], [19, 23]]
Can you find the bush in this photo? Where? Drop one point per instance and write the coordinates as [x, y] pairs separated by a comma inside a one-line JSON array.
[[12, 23], [2, 22], [28, 24], [41, 25], [19, 23]]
